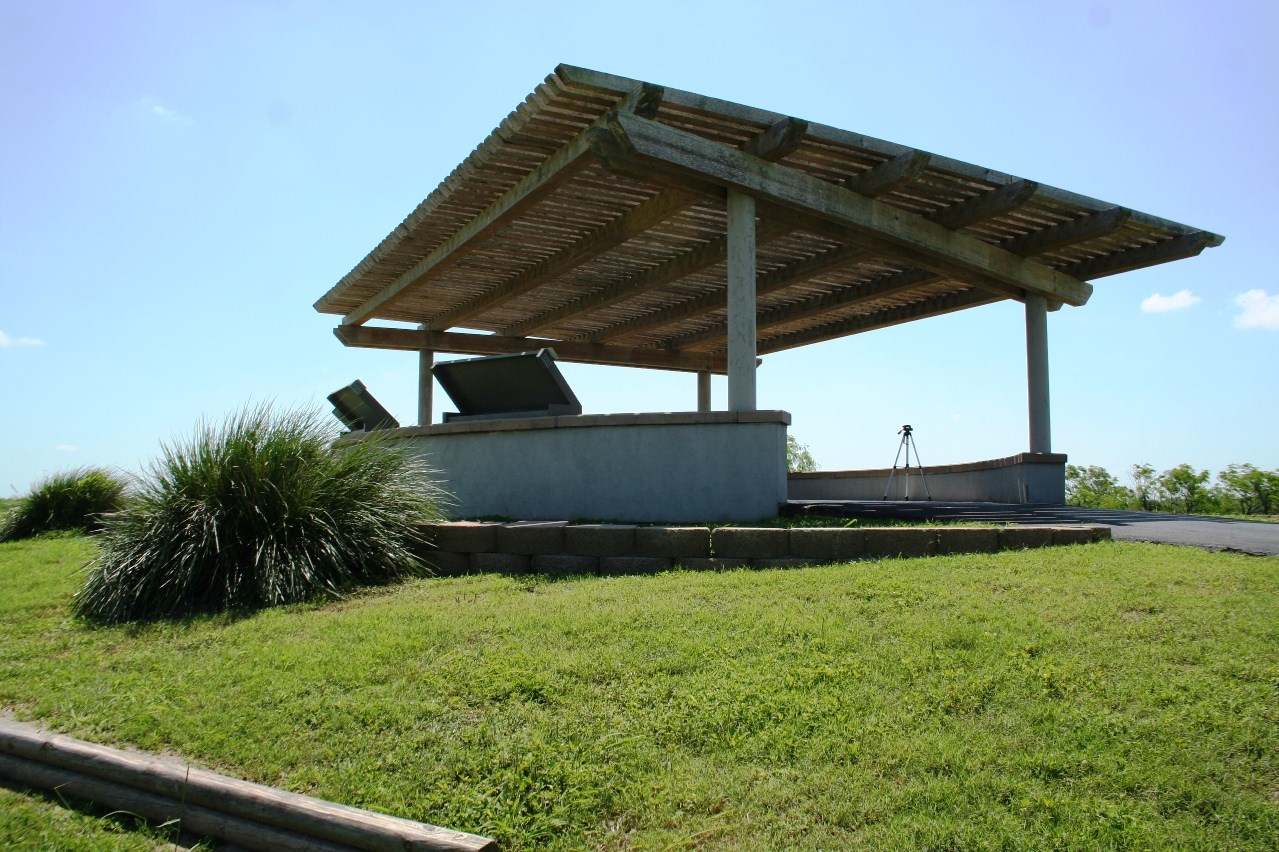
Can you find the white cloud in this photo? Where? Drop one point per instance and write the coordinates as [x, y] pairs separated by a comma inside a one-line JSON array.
[[1259, 310], [1159, 304], [6, 340], [159, 110], [65, 448]]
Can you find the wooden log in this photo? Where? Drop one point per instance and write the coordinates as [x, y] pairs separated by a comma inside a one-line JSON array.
[[156, 809], [244, 800]]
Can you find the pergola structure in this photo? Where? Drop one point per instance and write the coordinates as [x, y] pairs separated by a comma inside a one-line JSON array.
[[626, 223]]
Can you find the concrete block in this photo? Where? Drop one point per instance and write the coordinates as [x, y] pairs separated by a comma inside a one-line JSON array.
[[499, 563], [1072, 535], [967, 539], [750, 543], [529, 538], [600, 539], [673, 542], [781, 562], [1101, 532], [633, 564], [716, 564], [564, 563], [819, 545], [464, 536], [901, 541], [446, 563], [1019, 538]]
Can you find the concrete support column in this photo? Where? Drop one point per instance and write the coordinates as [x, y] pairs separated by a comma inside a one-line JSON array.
[[703, 391], [1037, 373], [741, 301], [425, 386]]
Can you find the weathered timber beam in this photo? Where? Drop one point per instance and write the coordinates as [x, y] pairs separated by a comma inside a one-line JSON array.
[[409, 339], [772, 144], [648, 100], [881, 288], [890, 174], [935, 306], [1177, 248], [988, 205], [533, 187], [1075, 231], [905, 234], [778, 140]]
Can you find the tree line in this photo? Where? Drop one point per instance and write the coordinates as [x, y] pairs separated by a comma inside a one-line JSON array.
[[1240, 489]]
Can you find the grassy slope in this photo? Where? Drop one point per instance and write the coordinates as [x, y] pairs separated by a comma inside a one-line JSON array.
[[1109, 695]]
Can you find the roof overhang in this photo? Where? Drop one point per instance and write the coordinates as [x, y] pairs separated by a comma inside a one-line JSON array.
[[594, 217]]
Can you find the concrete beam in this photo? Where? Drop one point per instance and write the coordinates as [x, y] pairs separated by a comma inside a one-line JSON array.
[[1037, 373], [741, 301]]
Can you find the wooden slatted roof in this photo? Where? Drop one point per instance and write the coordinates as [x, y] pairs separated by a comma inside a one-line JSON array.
[[594, 217]]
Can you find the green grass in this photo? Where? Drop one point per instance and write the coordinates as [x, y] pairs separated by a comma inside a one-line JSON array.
[[1102, 696]]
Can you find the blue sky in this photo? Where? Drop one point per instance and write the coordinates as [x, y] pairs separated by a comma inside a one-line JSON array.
[[179, 181]]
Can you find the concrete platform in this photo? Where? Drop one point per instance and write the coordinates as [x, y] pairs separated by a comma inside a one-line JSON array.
[[1254, 537]]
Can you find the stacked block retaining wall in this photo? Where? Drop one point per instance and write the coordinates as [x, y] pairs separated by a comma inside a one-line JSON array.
[[557, 547]]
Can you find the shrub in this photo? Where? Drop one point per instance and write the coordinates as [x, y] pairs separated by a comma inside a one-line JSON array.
[[257, 512], [74, 500]]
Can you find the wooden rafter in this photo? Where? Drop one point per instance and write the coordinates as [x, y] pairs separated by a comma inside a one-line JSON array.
[[1177, 248], [901, 233], [890, 174], [1075, 231], [408, 339]]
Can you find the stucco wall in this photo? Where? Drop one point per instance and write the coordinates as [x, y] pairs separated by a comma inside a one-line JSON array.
[[694, 466], [1023, 478]]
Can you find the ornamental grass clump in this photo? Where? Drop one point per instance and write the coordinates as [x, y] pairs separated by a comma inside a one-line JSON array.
[[75, 500], [259, 511]]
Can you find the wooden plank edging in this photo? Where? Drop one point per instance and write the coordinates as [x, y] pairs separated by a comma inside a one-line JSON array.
[[251, 815]]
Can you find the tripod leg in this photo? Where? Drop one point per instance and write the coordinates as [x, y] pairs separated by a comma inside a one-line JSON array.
[[892, 472], [920, 465]]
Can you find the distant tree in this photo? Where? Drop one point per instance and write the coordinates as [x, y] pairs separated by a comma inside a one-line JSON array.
[[1143, 487], [1252, 491], [798, 458], [1095, 488], [1185, 489]]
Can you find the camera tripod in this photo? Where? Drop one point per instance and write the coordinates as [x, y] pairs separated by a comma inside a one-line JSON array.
[[907, 444]]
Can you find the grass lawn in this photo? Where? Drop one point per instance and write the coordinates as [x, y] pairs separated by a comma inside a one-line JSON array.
[[1101, 696]]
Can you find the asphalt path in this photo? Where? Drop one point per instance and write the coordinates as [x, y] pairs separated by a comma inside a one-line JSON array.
[[1255, 537]]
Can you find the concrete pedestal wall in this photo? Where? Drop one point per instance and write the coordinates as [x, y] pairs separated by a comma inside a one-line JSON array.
[[1023, 478], [685, 466]]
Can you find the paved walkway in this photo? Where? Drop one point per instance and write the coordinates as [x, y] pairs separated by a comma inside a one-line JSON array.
[[1255, 537]]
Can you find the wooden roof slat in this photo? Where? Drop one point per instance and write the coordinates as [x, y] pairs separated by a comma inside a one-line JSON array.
[[890, 285], [766, 284], [931, 307], [538, 183]]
